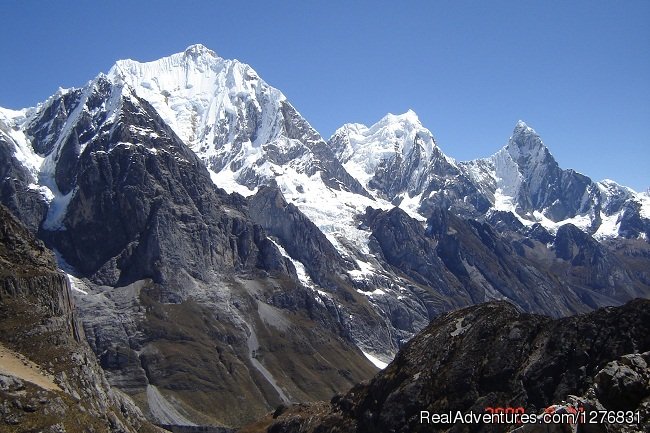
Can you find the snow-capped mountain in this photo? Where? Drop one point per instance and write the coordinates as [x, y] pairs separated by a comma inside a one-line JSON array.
[[398, 140], [244, 130], [355, 243], [525, 179], [145, 235], [398, 159], [248, 134]]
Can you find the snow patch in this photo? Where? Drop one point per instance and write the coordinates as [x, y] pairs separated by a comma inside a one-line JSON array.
[[411, 205], [376, 292], [364, 269], [608, 227], [303, 276], [56, 212], [76, 284], [583, 222], [225, 179], [644, 199], [377, 362]]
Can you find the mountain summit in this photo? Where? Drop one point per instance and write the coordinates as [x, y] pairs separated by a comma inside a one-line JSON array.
[[363, 149], [243, 129]]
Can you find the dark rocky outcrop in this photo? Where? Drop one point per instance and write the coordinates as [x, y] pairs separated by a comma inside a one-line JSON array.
[[404, 244], [492, 355], [466, 262]]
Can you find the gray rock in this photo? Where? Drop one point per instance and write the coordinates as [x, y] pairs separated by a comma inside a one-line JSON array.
[[39, 322], [464, 361]]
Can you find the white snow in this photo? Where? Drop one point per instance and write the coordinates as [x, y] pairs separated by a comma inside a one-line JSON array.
[[57, 211], [364, 269], [377, 362], [303, 276], [392, 137], [583, 222], [332, 211], [226, 179], [376, 292], [199, 95], [644, 199], [609, 226], [75, 284], [410, 205], [503, 202], [10, 126], [508, 180]]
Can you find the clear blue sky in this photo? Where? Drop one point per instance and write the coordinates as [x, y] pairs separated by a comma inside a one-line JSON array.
[[576, 71]]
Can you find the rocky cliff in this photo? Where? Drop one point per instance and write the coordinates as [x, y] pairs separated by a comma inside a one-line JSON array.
[[49, 378]]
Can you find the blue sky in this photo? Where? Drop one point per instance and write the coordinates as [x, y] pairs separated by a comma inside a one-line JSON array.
[[576, 71]]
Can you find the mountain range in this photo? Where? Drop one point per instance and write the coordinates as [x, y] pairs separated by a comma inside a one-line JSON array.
[[221, 251]]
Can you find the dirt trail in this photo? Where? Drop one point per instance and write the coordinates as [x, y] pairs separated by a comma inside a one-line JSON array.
[[15, 364]]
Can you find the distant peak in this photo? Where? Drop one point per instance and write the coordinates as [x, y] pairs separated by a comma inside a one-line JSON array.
[[411, 113], [199, 50], [525, 136], [609, 182], [408, 118], [521, 126], [389, 120], [527, 148]]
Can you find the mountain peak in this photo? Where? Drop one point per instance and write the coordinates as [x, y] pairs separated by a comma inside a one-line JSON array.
[[196, 63], [199, 50], [522, 128], [183, 87], [525, 140], [410, 117]]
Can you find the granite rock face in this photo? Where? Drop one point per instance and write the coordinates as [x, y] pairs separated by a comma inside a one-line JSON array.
[[144, 197]]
